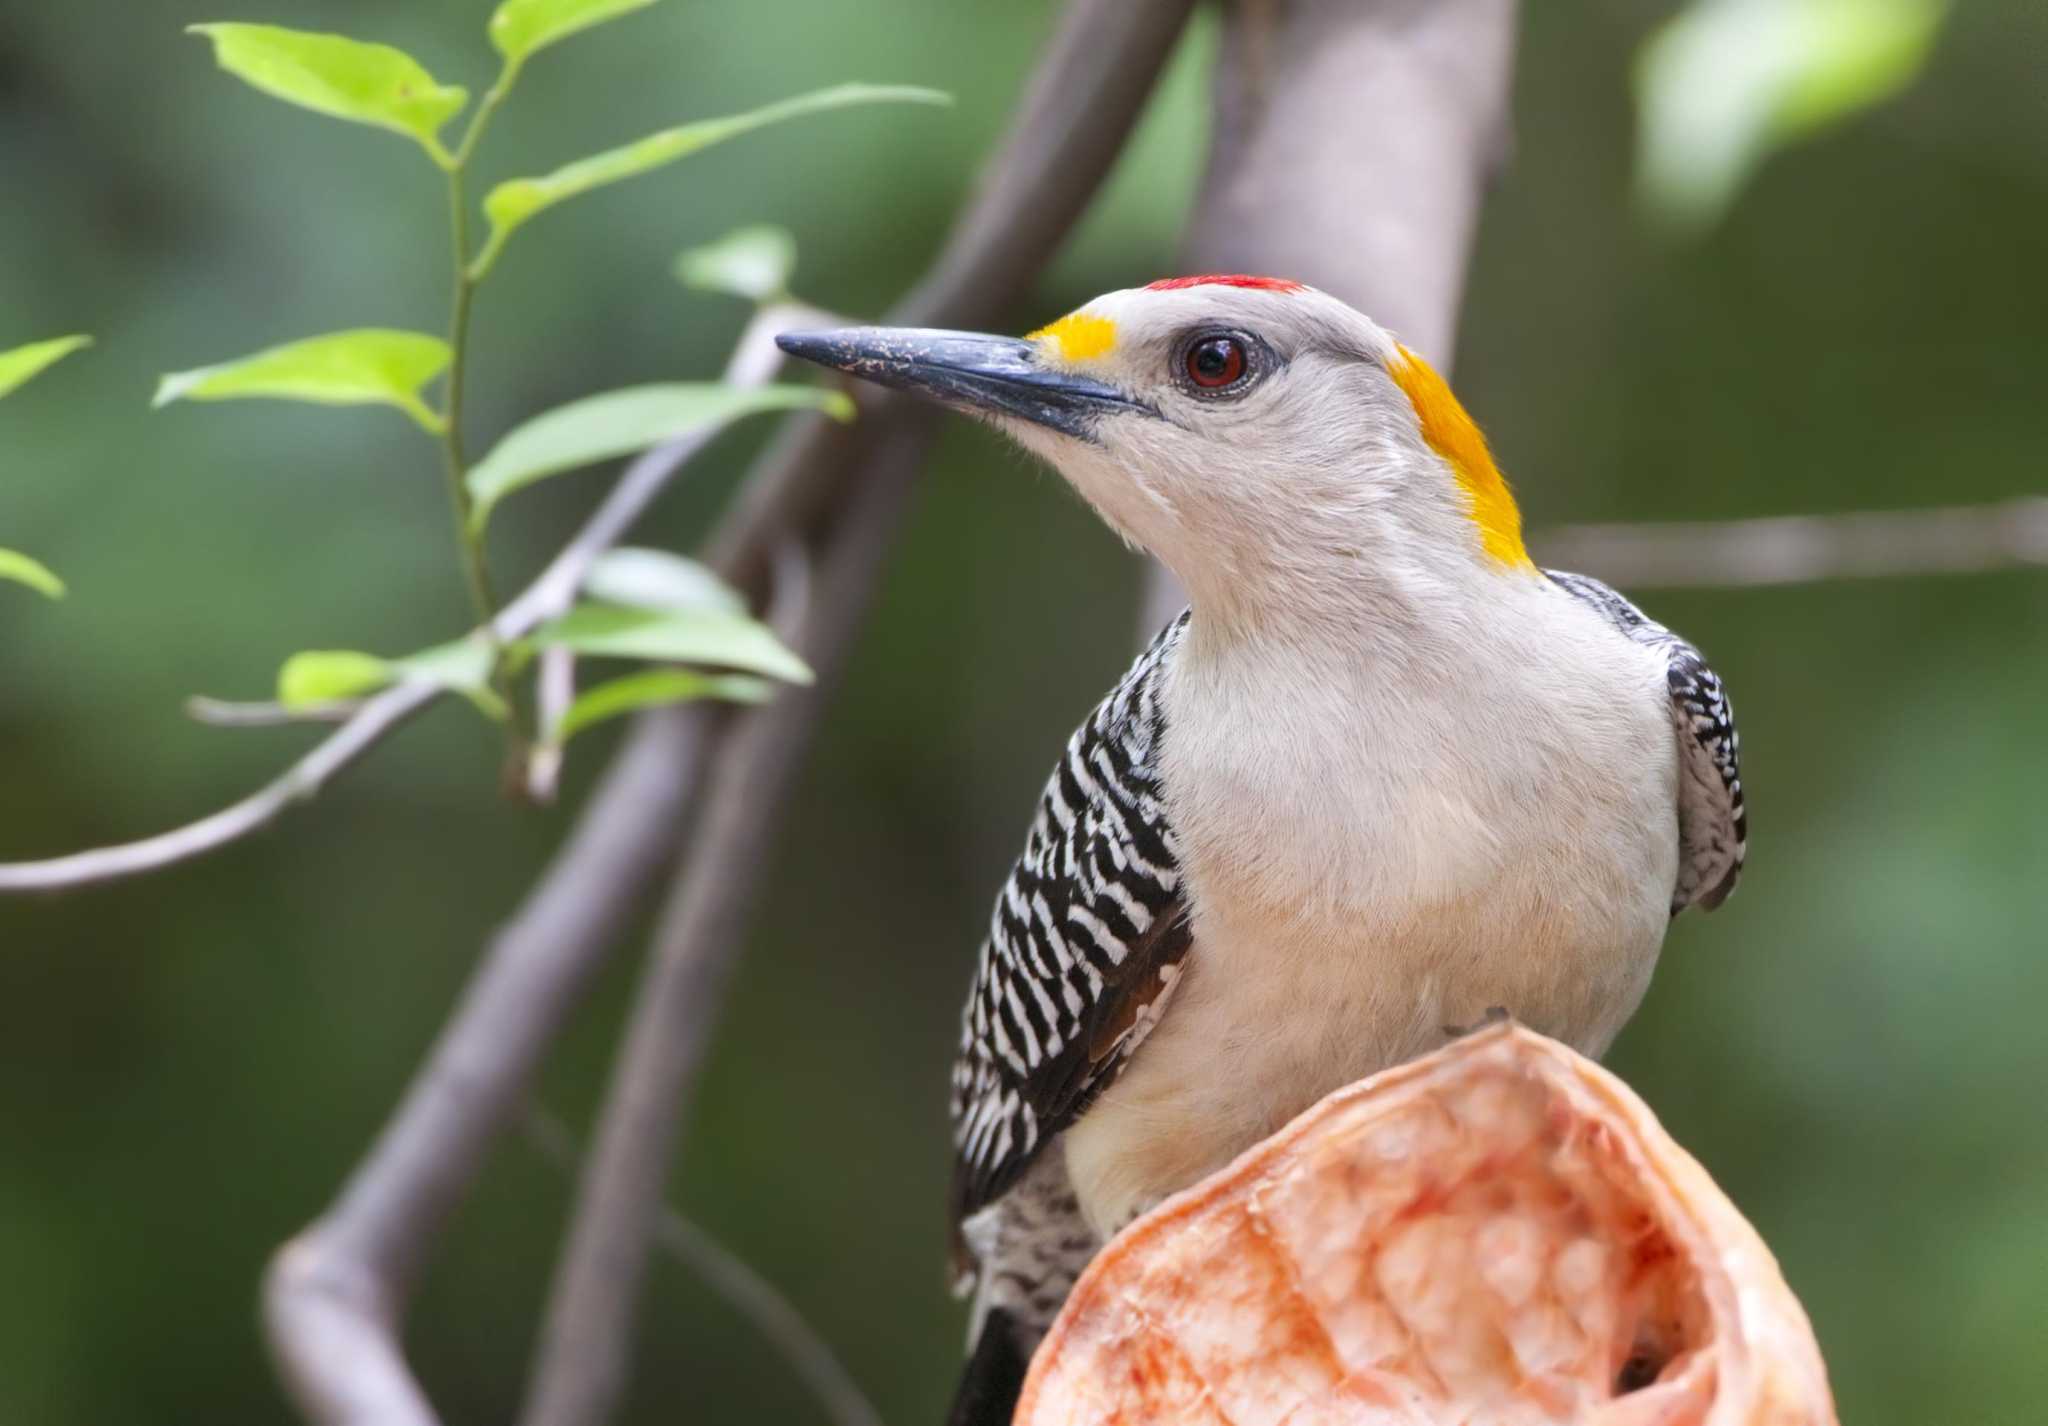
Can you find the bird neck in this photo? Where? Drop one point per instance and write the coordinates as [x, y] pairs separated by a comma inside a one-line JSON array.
[[1387, 570]]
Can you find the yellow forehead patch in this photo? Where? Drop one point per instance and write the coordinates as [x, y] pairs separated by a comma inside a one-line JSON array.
[[1455, 436], [1079, 336]]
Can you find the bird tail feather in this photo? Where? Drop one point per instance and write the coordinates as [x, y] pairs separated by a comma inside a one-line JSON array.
[[994, 1377]]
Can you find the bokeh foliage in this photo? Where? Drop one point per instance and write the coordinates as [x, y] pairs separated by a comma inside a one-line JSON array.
[[19, 366], [189, 1064], [381, 86]]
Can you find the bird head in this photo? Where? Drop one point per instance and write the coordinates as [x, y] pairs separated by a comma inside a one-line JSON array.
[[1261, 437]]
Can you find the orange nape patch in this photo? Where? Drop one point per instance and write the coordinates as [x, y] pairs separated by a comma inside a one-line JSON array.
[[1455, 436], [1079, 336]]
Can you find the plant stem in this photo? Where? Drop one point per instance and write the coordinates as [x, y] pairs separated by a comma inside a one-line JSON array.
[[470, 543], [469, 540], [482, 118]]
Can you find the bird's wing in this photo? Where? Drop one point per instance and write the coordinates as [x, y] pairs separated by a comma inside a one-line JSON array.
[[1084, 944], [1713, 828]]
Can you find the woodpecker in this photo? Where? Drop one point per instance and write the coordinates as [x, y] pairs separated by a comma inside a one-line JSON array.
[[1382, 778]]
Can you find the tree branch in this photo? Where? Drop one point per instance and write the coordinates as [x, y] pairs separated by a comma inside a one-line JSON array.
[[368, 727], [1803, 549], [1354, 140], [230, 713], [336, 1293], [1078, 106], [1353, 144], [772, 1314], [1089, 89], [586, 1339]]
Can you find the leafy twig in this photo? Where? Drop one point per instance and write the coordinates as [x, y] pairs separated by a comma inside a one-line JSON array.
[[753, 362]]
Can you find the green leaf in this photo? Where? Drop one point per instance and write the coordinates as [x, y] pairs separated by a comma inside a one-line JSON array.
[[1726, 83], [320, 676], [754, 263], [701, 637], [519, 27], [37, 576], [619, 422], [652, 688], [511, 204], [330, 74], [366, 367], [22, 363], [656, 579]]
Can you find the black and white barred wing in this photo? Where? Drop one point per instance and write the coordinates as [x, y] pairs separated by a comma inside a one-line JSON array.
[[1084, 944], [1713, 827]]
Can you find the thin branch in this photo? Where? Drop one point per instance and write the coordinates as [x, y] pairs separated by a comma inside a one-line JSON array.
[[336, 1293], [367, 728], [1353, 143], [586, 1340], [228, 713], [555, 691], [1805, 549], [753, 362], [754, 1296]]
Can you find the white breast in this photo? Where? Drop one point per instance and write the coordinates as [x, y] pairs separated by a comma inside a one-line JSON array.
[[1377, 847]]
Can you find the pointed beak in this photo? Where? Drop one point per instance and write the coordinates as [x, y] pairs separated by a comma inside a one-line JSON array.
[[984, 376]]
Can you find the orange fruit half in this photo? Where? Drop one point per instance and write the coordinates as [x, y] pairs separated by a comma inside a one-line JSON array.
[[1500, 1234]]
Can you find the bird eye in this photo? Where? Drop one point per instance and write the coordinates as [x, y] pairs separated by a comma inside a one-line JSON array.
[[1215, 362]]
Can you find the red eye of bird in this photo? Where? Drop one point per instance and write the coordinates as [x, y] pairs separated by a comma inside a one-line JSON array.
[[1215, 361]]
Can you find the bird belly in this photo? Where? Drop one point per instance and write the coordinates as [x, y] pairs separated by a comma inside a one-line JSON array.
[[1259, 1029], [1350, 914]]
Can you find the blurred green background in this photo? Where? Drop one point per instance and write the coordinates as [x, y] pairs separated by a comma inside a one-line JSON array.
[[190, 1063]]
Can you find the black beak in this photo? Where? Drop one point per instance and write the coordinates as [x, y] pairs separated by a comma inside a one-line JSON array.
[[977, 374]]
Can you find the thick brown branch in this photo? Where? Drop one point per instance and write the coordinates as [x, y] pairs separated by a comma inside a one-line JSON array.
[[586, 1341], [335, 1293], [1087, 94], [1353, 144]]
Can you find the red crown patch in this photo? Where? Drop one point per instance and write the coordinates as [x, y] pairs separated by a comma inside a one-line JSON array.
[[1224, 279]]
